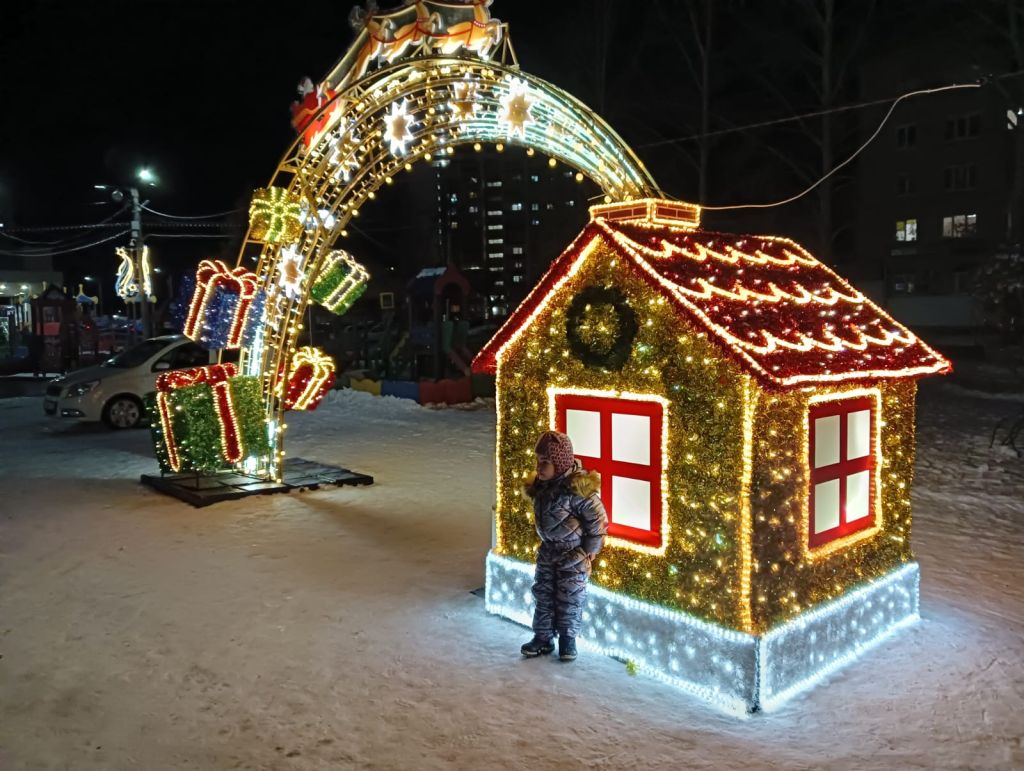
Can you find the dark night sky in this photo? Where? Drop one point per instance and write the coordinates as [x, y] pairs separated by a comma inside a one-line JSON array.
[[200, 91], [197, 90]]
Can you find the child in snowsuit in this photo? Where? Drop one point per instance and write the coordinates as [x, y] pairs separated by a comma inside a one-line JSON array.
[[571, 523]]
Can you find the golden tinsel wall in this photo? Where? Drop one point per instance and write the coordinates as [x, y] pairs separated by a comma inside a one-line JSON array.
[[700, 571], [785, 582]]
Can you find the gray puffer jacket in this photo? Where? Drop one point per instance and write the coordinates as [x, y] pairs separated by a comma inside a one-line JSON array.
[[568, 512]]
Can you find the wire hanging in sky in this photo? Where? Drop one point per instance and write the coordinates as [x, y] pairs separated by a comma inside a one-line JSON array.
[[54, 228], [55, 252], [195, 217], [855, 153]]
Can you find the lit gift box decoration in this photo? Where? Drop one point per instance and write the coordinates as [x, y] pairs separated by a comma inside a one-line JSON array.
[[340, 282], [310, 377], [751, 415], [226, 306], [275, 216], [207, 418]]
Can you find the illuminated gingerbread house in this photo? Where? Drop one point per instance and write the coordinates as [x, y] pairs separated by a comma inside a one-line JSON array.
[[752, 418]]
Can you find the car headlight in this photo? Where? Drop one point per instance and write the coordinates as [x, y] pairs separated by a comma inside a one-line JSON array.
[[81, 389]]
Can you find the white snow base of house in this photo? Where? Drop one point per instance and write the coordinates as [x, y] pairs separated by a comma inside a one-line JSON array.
[[737, 672]]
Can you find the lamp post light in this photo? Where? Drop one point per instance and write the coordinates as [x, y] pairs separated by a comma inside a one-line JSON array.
[[99, 290]]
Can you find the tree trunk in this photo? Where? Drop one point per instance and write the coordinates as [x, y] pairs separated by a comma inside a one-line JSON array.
[[827, 159], [705, 103]]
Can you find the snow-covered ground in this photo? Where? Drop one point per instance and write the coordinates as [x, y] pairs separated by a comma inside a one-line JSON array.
[[336, 629]]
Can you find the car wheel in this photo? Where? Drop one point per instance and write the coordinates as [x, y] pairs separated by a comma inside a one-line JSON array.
[[123, 412]]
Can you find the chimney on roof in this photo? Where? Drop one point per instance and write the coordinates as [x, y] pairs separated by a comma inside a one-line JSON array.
[[654, 211]]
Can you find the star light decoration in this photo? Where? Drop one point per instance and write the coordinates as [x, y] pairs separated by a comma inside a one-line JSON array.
[[463, 103], [290, 275], [516, 107], [399, 122]]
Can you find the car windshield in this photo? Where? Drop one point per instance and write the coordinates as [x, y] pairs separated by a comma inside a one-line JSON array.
[[140, 354]]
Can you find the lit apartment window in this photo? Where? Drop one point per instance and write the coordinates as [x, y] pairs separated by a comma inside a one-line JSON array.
[[906, 136], [495, 254], [963, 126], [516, 279], [473, 209], [495, 269], [535, 222], [570, 203], [963, 177], [550, 206], [499, 282], [453, 198], [518, 265], [567, 174], [534, 178], [494, 183], [960, 226], [906, 230], [496, 227], [494, 212], [495, 240], [517, 207], [455, 226], [534, 207], [517, 250], [904, 184]]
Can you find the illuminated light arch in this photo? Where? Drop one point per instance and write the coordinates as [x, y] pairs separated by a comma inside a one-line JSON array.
[[434, 88]]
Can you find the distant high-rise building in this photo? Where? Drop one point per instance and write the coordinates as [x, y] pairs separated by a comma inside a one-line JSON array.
[[502, 217], [936, 185]]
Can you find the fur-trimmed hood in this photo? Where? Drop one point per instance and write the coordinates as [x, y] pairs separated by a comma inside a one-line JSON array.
[[580, 481]]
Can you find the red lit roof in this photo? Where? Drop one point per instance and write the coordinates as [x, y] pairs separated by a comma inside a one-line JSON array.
[[779, 313]]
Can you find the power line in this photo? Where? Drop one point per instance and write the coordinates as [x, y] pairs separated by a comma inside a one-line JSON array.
[[55, 252], [103, 223], [855, 153], [829, 111], [189, 235], [193, 217]]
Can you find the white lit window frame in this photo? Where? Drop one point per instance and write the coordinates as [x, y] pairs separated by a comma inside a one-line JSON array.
[[844, 403], [655, 540]]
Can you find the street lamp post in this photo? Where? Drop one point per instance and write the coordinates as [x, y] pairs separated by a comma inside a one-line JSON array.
[[99, 291], [135, 241]]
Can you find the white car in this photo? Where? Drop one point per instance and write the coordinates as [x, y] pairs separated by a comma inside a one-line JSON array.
[[114, 390]]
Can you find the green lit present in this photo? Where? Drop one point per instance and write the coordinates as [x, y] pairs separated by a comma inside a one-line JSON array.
[[340, 282], [207, 419]]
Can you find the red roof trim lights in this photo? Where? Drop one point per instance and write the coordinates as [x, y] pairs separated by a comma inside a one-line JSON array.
[[779, 313]]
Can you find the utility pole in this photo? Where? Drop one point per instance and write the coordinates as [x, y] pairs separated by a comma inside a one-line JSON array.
[[135, 244]]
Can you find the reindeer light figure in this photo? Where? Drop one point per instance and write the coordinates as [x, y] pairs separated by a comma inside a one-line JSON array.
[[413, 35], [480, 35]]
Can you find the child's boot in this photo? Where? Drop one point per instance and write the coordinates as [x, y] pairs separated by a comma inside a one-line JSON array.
[[538, 646], [566, 647]]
